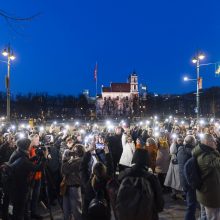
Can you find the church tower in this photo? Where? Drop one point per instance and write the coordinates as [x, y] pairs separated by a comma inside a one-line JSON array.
[[133, 80]]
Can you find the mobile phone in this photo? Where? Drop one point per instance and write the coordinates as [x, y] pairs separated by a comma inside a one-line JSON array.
[[100, 146]]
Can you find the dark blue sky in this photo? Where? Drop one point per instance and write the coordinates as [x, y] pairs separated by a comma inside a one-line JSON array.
[[57, 51]]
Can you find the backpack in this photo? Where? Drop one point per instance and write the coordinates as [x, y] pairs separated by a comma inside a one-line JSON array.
[[192, 173], [98, 207], [135, 199]]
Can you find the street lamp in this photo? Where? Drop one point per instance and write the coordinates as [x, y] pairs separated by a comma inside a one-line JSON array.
[[185, 78], [7, 52], [196, 60]]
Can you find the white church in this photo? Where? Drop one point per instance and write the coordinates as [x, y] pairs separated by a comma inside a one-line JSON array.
[[118, 99]]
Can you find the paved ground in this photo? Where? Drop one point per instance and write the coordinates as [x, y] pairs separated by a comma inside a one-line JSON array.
[[174, 210]]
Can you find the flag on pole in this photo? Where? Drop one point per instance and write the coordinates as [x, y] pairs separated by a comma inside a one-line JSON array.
[[95, 72]]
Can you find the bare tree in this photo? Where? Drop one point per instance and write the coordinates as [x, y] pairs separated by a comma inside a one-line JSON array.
[[9, 17]]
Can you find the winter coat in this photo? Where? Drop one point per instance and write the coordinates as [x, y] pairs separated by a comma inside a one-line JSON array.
[[87, 165], [71, 170], [163, 159], [127, 154], [152, 152], [54, 163], [22, 172], [209, 164], [115, 148], [173, 176], [90, 194], [5, 152], [100, 186], [139, 171], [183, 154]]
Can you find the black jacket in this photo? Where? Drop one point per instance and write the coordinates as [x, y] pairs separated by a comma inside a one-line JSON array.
[[5, 152], [183, 155], [71, 170], [22, 171], [140, 171], [86, 169], [115, 148]]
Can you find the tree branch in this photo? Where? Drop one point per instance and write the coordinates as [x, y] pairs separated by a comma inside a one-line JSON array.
[[14, 18]]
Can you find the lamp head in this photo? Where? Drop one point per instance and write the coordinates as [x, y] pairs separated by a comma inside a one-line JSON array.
[[185, 78], [194, 60], [5, 53], [12, 57], [201, 56]]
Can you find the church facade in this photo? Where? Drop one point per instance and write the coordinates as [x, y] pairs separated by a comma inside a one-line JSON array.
[[119, 99]]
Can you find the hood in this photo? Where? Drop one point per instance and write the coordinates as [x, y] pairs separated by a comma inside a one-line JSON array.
[[200, 149]]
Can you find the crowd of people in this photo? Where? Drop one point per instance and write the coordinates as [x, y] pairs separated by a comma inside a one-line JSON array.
[[108, 171]]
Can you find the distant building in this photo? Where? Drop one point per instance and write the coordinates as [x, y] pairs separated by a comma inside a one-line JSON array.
[[143, 91], [122, 90], [119, 99]]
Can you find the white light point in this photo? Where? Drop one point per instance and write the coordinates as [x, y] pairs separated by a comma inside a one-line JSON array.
[[13, 127], [156, 134], [108, 122], [123, 124], [77, 123], [174, 136], [82, 131], [202, 122], [201, 135], [21, 135], [185, 78]]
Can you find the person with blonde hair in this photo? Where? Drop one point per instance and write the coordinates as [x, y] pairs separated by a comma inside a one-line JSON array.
[[151, 147]]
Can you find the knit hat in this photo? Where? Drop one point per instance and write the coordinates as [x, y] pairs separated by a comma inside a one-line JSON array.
[[23, 144], [141, 157]]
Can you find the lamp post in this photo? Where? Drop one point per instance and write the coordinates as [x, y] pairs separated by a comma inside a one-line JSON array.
[[196, 60], [10, 56]]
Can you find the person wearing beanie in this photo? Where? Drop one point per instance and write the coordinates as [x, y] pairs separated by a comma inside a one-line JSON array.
[[139, 173], [22, 169]]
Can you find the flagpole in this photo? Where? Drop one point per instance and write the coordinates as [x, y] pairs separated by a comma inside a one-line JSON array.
[[96, 87], [96, 81]]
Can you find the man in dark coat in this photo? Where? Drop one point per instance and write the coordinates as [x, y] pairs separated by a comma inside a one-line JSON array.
[[115, 147], [22, 168], [183, 155], [139, 171]]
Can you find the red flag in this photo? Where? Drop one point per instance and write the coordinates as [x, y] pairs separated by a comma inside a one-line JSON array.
[[95, 72]]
